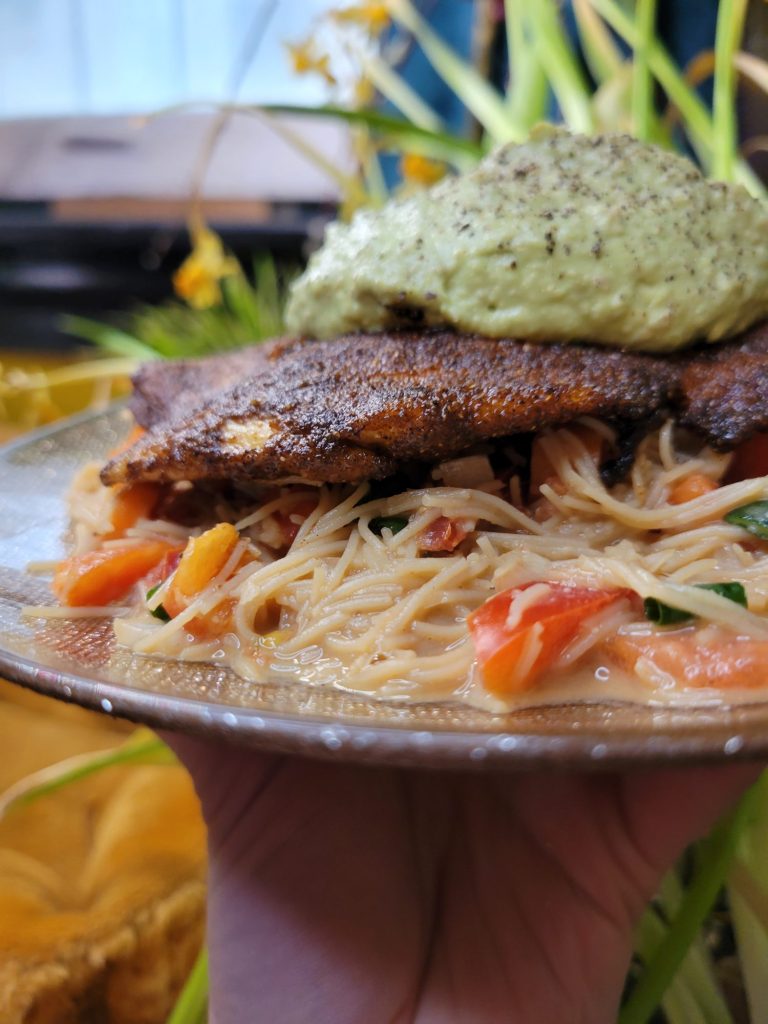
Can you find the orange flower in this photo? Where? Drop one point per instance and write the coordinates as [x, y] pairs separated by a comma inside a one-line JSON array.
[[197, 279], [374, 17], [420, 169], [305, 59]]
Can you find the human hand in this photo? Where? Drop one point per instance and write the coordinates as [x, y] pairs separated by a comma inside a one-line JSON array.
[[348, 894]]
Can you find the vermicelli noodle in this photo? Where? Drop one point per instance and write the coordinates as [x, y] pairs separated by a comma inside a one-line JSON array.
[[355, 601]]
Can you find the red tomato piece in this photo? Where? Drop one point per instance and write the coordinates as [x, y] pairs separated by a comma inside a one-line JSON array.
[[285, 520], [514, 649], [443, 534], [749, 460]]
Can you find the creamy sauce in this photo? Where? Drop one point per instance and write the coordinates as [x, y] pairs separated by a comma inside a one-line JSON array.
[[565, 238]]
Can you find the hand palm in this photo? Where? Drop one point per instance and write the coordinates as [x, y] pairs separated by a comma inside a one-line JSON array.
[[346, 894]]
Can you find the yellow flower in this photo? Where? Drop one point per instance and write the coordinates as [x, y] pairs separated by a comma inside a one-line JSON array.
[[364, 92], [374, 17], [197, 279], [306, 59], [420, 169]]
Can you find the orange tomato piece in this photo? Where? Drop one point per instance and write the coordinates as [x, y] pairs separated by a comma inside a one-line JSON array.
[[514, 650], [749, 460], [204, 557], [690, 487], [131, 503], [728, 663], [107, 574], [285, 520]]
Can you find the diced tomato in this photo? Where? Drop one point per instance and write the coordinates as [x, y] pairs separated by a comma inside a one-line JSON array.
[[214, 623], [542, 470], [749, 460], [726, 663], [131, 503], [204, 557], [285, 520], [165, 568], [513, 651], [443, 534], [100, 577], [690, 487]]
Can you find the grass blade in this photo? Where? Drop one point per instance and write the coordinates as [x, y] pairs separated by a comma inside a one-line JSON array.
[[477, 95], [730, 28], [697, 902], [192, 1005]]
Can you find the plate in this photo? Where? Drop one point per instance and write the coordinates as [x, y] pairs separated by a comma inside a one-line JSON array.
[[79, 661]]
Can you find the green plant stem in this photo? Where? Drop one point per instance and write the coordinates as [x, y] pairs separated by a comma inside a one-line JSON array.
[[393, 87], [696, 904], [528, 88], [191, 1006], [642, 80], [697, 119], [560, 65], [603, 57], [730, 28]]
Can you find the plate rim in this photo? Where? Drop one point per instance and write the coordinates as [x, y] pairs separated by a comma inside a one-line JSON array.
[[586, 748]]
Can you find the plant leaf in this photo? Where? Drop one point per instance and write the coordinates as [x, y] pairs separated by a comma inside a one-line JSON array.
[[642, 80], [528, 89], [560, 64], [480, 98], [693, 993], [400, 94], [713, 866], [440, 145], [142, 747], [603, 57], [191, 1006], [753, 68], [108, 337], [731, 15]]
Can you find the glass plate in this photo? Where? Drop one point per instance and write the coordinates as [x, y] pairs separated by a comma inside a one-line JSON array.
[[79, 661]]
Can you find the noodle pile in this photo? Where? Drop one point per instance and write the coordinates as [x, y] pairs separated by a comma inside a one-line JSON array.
[[365, 609]]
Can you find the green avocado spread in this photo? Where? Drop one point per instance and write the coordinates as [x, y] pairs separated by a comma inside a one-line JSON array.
[[564, 238]]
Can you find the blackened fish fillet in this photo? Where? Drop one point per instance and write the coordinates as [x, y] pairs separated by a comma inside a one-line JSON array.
[[166, 390], [724, 389], [357, 407]]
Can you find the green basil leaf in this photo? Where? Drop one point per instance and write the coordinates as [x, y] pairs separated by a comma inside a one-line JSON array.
[[393, 523], [666, 615], [159, 612], [752, 517]]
